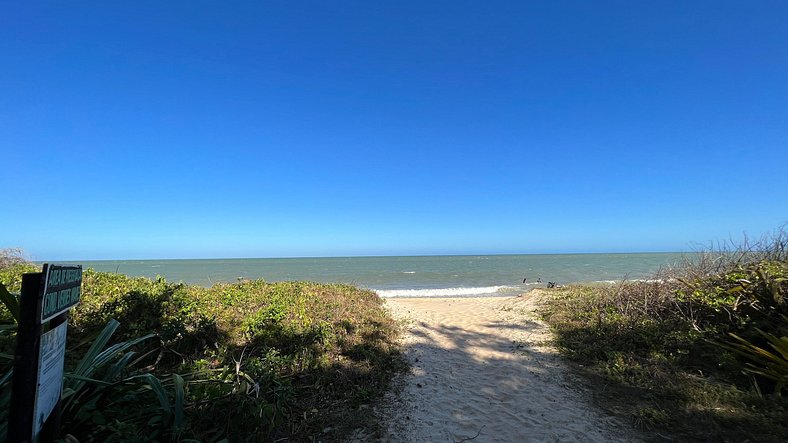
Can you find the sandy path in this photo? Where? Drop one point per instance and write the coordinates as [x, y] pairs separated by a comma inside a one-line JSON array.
[[481, 367]]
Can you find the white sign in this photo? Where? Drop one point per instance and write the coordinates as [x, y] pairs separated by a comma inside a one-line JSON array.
[[50, 374]]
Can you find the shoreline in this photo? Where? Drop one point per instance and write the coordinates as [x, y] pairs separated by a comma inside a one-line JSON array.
[[482, 367], [445, 273]]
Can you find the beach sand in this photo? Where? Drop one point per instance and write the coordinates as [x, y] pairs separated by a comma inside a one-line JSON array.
[[482, 367]]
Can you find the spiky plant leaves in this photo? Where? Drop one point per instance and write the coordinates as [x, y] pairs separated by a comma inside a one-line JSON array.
[[10, 301], [97, 357], [773, 366], [178, 411], [158, 390]]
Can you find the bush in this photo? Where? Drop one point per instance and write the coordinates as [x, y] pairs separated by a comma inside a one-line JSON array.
[[258, 361], [665, 347]]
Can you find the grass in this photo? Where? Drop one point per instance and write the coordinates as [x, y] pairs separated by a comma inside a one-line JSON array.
[[659, 353], [256, 361]]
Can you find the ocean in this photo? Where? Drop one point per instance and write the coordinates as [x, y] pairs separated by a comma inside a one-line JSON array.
[[423, 276]]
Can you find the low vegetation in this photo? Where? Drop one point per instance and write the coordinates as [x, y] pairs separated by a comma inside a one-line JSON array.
[[699, 352], [151, 360]]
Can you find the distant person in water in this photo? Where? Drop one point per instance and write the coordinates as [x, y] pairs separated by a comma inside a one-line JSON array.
[[526, 278], [551, 284], [539, 280]]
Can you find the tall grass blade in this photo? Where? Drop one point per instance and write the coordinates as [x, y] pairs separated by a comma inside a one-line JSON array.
[[179, 396], [158, 390], [95, 358], [95, 349], [763, 362], [6, 378], [117, 368], [87, 379], [10, 301]]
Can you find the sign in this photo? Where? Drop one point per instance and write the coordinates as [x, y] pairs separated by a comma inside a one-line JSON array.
[[62, 288], [37, 384], [50, 374]]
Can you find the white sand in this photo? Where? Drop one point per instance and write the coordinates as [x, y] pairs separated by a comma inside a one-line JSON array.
[[481, 367]]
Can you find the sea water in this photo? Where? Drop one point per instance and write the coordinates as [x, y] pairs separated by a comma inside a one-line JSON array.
[[423, 276]]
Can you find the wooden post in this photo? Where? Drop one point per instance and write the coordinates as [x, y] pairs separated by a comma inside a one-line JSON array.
[[28, 345]]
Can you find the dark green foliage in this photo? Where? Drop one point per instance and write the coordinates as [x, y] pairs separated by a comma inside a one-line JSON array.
[[771, 363], [663, 348], [740, 299], [256, 361], [11, 279]]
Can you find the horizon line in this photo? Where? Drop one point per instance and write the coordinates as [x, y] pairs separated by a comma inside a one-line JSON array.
[[364, 256]]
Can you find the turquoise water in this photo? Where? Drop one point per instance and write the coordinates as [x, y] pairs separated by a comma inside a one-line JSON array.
[[407, 276]]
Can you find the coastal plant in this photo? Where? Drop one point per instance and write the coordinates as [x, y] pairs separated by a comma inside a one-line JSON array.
[[10, 302], [255, 361], [99, 376], [11, 257], [103, 378], [7, 331], [773, 365], [12, 266], [688, 349]]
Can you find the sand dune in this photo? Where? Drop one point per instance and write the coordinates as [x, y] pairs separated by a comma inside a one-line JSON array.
[[481, 368]]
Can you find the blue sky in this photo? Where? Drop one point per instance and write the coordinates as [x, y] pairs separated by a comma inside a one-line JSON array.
[[261, 129]]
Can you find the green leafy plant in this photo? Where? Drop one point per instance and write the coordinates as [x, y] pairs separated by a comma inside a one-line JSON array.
[[10, 301], [250, 361], [101, 374], [772, 365], [655, 345]]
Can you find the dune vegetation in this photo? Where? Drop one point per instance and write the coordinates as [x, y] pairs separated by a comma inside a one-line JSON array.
[[698, 352], [151, 360]]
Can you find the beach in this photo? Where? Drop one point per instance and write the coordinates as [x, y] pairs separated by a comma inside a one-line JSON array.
[[482, 369]]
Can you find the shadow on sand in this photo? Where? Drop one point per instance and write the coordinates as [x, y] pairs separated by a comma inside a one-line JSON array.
[[485, 372]]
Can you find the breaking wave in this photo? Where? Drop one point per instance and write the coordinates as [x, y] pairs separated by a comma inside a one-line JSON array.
[[444, 292]]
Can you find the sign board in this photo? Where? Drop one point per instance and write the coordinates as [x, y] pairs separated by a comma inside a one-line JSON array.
[[50, 374], [37, 383], [62, 289]]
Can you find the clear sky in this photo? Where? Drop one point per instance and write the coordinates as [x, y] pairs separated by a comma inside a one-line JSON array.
[[150, 129]]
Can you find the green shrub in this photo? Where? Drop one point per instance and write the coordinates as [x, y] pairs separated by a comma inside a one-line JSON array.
[[258, 361], [771, 364], [664, 347]]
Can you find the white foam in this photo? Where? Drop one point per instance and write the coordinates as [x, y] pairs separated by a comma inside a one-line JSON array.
[[636, 280], [441, 292], [408, 272]]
